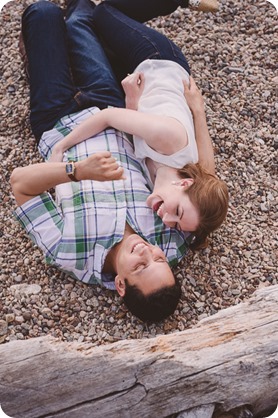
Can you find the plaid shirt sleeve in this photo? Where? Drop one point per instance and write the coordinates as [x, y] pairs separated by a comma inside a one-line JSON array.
[[66, 244], [43, 222]]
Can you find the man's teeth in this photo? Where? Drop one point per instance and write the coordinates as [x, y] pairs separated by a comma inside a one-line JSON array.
[[141, 244]]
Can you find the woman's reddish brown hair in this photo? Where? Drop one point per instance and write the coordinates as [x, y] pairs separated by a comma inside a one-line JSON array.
[[210, 197]]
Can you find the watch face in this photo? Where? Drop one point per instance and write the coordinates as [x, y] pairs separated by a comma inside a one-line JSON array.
[[69, 168]]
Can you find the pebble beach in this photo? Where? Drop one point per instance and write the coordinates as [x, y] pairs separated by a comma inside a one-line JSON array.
[[233, 56]]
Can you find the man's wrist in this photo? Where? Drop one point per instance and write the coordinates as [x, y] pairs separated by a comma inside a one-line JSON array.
[[70, 168]]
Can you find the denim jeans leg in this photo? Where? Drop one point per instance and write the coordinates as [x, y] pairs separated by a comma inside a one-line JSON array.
[[143, 10], [133, 42], [91, 69], [51, 88]]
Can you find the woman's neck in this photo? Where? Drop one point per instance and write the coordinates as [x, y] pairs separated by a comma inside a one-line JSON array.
[[157, 169], [164, 174]]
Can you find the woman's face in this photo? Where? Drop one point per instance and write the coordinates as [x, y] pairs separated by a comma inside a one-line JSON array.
[[174, 206]]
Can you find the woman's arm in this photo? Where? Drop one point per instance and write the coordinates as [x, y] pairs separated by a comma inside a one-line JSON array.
[[195, 102], [91, 126], [164, 134], [32, 180]]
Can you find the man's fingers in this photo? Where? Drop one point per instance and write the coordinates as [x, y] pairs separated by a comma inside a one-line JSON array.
[[105, 154], [117, 174], [113, 162], [120, 173]]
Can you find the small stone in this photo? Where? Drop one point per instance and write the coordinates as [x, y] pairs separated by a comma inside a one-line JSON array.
[[27, 315], [192, 281], [26, 289], [18, 278], [3, 327], [263, 207], [19, 319], [10, 318]]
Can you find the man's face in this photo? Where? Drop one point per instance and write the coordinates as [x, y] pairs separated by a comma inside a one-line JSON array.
[[143, 265]]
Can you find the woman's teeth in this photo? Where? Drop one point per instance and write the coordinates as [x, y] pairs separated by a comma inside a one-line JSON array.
[[159, 210]]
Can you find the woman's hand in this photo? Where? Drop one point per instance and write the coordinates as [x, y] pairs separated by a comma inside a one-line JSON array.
[[133, 86], [193, 96], [57, 154], [100, 166]]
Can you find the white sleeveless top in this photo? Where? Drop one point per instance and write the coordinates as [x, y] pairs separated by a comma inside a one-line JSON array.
[[164, 95]]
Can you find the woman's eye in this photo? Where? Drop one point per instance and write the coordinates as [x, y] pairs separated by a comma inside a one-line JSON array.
[[177, 226]]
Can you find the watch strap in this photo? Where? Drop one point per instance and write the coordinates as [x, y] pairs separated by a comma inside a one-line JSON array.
[[70, 170]]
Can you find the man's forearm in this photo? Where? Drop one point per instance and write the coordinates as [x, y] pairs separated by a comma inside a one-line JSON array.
[[203, 140], [35, 179]]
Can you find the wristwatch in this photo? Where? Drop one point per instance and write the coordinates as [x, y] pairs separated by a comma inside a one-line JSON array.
[[70, 170]]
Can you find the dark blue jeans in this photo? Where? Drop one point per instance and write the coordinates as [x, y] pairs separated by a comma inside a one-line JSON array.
[[143, 10], [52, 44], [131, 42]]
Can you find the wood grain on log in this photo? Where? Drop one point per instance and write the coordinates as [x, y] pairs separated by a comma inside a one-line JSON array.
[[229, 359]]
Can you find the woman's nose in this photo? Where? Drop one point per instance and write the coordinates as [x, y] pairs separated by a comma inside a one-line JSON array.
[[169, 220]]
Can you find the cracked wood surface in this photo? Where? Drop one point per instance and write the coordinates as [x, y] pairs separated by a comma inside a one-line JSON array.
[[229, 359]]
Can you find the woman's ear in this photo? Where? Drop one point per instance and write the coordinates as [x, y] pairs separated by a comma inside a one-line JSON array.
[[120, 285], [186, 183]]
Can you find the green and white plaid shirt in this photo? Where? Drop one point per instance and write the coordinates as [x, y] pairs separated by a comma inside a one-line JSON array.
[[88, 218]]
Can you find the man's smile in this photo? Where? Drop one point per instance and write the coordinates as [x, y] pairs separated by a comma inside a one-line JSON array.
[[137, 246]]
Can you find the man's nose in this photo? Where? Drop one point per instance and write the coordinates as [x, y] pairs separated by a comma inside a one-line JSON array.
[[145, 252], [169, 220]]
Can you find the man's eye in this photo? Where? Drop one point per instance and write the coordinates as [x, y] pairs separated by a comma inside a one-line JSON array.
[[160, 259], [139, 266]]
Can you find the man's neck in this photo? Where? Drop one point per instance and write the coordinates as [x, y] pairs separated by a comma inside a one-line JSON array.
[[110, 261]]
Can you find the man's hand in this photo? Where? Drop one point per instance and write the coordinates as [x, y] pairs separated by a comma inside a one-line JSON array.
[[133, 86], [193, 96], [100, 166]]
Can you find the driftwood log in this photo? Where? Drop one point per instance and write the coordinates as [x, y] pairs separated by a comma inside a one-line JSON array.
[[228, 360]]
